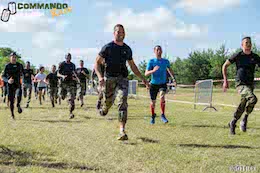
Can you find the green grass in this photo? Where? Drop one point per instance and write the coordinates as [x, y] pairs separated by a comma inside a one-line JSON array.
[[43, 139]]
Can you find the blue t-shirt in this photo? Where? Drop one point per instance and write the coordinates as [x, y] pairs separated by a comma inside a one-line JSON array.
[[160, 76]]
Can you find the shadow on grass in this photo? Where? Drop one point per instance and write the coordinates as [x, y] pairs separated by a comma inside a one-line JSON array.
[[129, 143], [147, 140], [52, 121], [216, 146], [58, 121], [213, 126], [203, 126], [21, 158], [45, 107]]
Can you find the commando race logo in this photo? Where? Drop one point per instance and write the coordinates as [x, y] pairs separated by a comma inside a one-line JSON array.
[[56, 9]]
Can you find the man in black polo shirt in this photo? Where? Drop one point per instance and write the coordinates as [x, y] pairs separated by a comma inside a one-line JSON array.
[[245, 61], [114, 55], [69, 84], [12, 73], [52, 80], [82, 74], [27, 82]]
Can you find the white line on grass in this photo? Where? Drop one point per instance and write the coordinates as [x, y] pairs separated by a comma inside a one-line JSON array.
[[187, 102]]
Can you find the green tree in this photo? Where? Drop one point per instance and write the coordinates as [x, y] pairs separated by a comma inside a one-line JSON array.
[[216, 61], [4, 57]]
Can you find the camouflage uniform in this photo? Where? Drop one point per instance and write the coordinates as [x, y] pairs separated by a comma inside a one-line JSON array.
[[82, 85], [248, 100], [81, 88], [53, 87], [27, 84], [116, 73], [245, 64], [119, 85], [69, 85]]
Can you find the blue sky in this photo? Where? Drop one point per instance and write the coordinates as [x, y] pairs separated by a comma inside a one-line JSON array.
[[179, 26]]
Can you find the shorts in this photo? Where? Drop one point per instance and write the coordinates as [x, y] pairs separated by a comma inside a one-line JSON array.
[[154, 89], [41, 88]]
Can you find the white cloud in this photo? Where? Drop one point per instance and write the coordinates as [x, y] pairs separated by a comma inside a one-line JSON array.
[[158, 21], [206, 6]]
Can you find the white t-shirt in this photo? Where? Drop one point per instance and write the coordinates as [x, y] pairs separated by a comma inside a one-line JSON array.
[[40, 76]]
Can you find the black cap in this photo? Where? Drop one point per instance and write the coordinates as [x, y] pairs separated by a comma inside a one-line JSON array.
[[13, 54]]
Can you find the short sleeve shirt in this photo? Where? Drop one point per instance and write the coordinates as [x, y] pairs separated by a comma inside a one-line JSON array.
[[115, 59], [27, 76], [245, 65], [160, 76]]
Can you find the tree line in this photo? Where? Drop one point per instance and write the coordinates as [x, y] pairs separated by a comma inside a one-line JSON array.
[[200, 65]]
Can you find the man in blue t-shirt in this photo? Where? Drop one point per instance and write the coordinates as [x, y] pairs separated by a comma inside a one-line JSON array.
[[158, 67]]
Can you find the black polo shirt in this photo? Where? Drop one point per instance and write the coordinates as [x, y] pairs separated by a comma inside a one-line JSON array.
[[80, 75], [245, 67], [67, 69], [53, 79], [115, 59], [13, 71], [27, 76]]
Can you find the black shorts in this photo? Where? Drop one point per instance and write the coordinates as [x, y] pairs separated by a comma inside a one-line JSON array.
[[41, 88], [154, 89]]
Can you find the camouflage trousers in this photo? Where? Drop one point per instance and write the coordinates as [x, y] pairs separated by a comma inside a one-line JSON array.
[[100, 91], [116, 86], [81, 88], [53, 92], [247, 102], [69, 90], [27, 87]]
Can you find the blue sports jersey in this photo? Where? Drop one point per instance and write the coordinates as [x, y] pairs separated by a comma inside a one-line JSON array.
[[160, 76]]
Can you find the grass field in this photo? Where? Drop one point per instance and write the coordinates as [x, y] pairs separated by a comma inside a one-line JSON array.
[[43, 139]]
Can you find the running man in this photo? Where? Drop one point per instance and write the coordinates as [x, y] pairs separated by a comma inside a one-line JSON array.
[[245, 61], [27, 82], [114, 55], [42, 85], [2, 86], [158, 67], [52, 81], [69, 82], [35, 84], [82, 74], [12, 75]]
